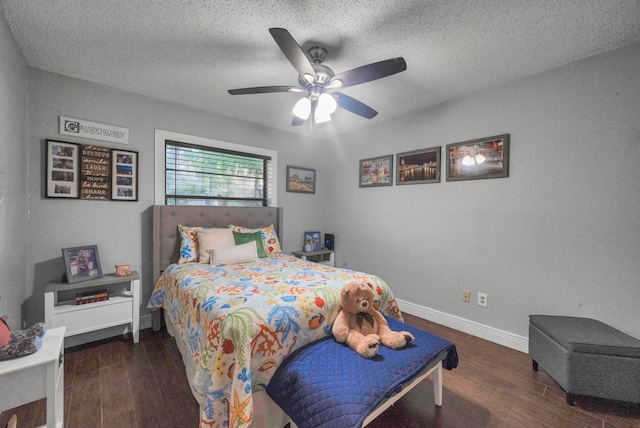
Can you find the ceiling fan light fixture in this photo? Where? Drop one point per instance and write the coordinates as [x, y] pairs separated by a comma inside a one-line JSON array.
[[322, 116], [335, 84], [326, 103], [315, 78], [302, 109]]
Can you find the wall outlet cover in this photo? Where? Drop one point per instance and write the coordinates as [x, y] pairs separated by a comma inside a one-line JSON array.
[[482, 299]]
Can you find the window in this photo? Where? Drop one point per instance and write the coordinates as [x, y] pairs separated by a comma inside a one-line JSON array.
[[198, 171]]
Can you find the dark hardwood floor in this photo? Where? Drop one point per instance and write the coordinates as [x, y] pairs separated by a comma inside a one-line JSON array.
[[115, 383]]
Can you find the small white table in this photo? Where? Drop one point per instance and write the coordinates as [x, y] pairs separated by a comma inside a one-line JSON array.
[[32, 377]]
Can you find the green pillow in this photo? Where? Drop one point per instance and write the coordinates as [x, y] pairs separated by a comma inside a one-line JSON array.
[[243, 238]]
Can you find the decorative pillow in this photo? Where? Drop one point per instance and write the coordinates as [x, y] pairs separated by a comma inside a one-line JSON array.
[[189, 244], [243, 238], [243, 253], [269, 237], [212, 239]]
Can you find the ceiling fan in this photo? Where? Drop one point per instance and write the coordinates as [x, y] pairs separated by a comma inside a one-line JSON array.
[[318, 82]]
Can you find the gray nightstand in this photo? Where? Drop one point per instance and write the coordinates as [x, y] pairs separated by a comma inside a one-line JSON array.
[[324, 257]]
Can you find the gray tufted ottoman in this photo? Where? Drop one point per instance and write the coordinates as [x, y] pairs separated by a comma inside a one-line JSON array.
[[586, 357]]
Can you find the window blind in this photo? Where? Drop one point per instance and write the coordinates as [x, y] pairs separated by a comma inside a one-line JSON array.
[[197, 175]]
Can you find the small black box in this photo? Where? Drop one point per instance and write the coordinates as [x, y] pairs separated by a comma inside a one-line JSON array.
[[329, 241]]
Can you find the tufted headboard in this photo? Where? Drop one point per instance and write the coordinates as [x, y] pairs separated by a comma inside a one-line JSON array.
[[166, 239]]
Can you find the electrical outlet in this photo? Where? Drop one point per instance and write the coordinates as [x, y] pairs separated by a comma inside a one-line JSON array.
[[482, 299], [466, 296]]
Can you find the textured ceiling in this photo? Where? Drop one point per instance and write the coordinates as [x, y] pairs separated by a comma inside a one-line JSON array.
[[192, 51]]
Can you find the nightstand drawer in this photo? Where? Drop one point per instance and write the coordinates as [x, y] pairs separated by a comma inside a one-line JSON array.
[[93, 316]]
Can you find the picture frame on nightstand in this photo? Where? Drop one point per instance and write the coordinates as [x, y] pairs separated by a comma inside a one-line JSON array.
[[313, 240], [81, 263]]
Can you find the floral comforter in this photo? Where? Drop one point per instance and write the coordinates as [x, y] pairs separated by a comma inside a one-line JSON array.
[[241, 321]]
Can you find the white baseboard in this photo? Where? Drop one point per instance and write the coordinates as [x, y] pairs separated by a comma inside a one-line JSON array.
[[501, 337]]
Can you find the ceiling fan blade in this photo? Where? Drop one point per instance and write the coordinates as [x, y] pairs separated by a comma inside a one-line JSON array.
[[264, 90], [354, 106], [292, 50], [370, 72], [297, 121]]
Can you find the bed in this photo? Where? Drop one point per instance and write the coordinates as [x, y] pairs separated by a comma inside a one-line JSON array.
[[235, 324]]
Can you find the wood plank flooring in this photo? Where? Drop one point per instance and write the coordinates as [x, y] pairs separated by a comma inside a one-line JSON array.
[[116, 384]]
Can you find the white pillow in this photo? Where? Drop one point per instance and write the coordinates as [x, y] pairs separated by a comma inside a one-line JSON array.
[[243, 253], [213, 239]]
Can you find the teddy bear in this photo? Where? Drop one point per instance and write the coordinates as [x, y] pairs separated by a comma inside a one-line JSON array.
[[361, 326], [18, 343]]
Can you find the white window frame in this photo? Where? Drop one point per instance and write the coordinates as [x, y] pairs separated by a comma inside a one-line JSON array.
[[161, 136]]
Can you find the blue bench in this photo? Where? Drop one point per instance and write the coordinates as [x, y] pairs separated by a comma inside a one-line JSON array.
[[326, 384]]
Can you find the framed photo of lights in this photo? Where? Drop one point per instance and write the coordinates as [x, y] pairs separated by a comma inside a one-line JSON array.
[[478, 159], [418, 166], [124, 175]]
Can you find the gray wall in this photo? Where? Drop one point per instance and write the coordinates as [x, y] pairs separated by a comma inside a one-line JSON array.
[[122, 230], [13, 177], [561, 235]]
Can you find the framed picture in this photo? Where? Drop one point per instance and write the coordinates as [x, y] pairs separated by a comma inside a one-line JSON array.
[[477, 159], [313, 240], [63, 169], [376, 172], [124, 175], [81, 263], [301, 180], [95, 172], [418, 166]]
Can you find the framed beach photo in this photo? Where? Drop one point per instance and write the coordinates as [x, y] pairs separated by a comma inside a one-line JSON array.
[[124, 175], [478, 159], [375, 172], [81, 263], [301, 180], [63, 169], [418, 166]]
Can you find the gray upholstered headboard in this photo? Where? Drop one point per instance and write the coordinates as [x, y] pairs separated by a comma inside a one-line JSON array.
[[166, 239]]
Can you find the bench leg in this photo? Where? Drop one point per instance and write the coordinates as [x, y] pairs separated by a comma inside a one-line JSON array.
[[437, 384], [535, 365], [570, 399]]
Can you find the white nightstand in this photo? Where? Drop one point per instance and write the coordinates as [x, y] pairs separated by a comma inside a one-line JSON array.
[[324, 257], [123, 306], [32, 377]]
